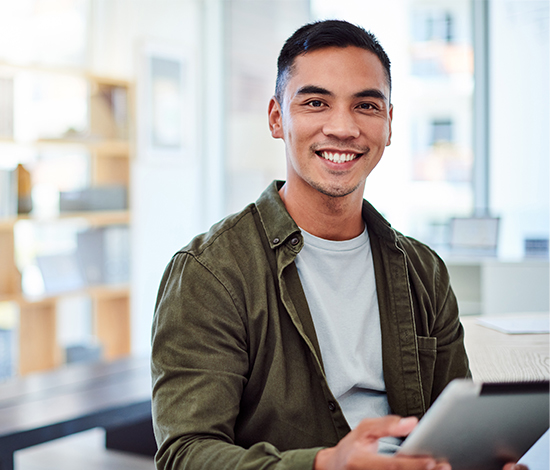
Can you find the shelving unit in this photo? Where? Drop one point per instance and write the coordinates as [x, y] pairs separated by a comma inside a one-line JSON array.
[[108, 142]]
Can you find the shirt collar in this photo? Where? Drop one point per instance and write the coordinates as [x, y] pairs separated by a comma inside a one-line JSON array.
[[277, 223], [279, 226]]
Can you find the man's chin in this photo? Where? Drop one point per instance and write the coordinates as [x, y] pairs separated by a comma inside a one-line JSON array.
[[334, 191]]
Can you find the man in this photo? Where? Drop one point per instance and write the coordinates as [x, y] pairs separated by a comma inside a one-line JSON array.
[[306, 315]]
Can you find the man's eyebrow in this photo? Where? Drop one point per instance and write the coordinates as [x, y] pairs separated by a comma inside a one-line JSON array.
[[371, 93], [317, 90], [313, 90]]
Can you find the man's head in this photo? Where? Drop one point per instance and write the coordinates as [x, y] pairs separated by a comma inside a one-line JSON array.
[[324, 34], [334, 112]]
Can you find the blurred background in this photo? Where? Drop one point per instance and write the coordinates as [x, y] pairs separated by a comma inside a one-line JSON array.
[[129, 126]]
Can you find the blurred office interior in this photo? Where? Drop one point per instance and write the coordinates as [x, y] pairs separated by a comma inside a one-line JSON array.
[[128, 126]]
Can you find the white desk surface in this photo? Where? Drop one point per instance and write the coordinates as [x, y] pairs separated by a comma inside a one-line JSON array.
[[501, 357]]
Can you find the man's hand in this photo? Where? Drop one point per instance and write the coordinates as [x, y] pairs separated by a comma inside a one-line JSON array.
[[358, 450], [515, 466]]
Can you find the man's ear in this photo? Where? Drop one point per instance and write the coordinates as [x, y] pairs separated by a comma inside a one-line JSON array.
[[275, 118], [389, 124]]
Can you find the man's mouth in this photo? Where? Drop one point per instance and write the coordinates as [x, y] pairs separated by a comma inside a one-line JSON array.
[[338, 157]]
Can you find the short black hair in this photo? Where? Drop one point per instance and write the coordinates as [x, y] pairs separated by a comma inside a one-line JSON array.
[[321, 34]]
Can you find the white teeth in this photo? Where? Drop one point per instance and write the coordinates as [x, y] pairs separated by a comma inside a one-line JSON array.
[[338, 157]]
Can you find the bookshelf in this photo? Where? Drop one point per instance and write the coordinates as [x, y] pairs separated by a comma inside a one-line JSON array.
[[106, 145]]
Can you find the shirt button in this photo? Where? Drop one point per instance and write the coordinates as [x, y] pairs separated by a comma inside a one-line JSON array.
[[294, 241], [276, 240], [331, 405]]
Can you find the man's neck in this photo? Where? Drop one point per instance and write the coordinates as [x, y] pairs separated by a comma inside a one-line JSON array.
[[331, 218]]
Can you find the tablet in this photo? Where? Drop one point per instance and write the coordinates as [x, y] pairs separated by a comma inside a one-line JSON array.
[[481, 426]]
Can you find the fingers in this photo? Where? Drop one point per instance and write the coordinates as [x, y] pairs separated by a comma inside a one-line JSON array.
[[387, 426], [358, 449], [404, 426], [358, 458], [384, 462], [514, 466]]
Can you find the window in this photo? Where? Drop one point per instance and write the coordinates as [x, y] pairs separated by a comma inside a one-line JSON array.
[[442, 131], [433, 24]]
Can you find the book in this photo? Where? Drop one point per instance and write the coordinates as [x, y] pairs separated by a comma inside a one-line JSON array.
[[104, 254], [8, 193], [6, 107]]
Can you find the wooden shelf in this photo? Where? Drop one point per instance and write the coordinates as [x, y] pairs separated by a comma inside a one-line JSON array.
[[99, 291], [61, 70], [39, 349], [108, 144], [94, 218], [104, 291], [98, 218], [120, 148], [7, 223], [116, 147], [10, 297], [38, 346]]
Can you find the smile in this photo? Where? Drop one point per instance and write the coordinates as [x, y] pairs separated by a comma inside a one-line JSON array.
[[338, 157]]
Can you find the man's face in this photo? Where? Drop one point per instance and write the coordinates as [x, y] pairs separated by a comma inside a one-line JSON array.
[[335, 119]]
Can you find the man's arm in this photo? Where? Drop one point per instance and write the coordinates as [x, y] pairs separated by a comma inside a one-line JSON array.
[[199, 367]]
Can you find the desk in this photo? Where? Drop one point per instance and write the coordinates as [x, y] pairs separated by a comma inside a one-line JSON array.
[[41, 407], [500, 357]]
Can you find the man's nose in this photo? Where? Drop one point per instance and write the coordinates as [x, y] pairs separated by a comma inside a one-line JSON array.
[[342, 125]]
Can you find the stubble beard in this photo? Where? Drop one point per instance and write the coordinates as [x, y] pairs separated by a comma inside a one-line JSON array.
[[335, 190]]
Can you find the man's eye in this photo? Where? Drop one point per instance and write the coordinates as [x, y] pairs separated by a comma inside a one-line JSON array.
[[366, 106], [315, 103]]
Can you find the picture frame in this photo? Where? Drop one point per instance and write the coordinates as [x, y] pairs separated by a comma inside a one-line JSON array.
[[165, 102]]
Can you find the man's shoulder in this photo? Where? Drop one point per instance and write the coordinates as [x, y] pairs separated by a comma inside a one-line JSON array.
[[233, 230], [409, 243], [419, 254], [245, 233]]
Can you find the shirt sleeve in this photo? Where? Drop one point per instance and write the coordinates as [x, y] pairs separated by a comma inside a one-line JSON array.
[[199, 370]]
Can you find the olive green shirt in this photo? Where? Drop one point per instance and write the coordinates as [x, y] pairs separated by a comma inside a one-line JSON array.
[[238, 380]]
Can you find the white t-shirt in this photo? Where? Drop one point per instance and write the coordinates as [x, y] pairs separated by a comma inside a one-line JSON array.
[[339, 284]]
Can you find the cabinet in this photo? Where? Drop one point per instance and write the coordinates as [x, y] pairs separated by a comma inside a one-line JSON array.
[[105, 143], [490, 286]]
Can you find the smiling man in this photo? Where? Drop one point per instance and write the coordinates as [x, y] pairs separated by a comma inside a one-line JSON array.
[[304, 332]]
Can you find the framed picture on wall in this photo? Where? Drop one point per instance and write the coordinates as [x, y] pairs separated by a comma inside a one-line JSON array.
[[165, 103]]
